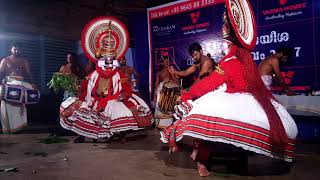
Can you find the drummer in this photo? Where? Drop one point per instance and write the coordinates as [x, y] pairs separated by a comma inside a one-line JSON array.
[[14, 70], [203, 64], [163, 119]]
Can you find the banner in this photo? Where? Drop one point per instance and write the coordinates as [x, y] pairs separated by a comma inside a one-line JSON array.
[[281, 23]]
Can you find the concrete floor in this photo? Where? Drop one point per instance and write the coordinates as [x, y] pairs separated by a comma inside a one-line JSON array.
[[143, 156]]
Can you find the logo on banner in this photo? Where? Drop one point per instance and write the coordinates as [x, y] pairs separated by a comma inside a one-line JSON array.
[[195, 17], [195, 27], [283, 2], [164, 30], [282, 11]]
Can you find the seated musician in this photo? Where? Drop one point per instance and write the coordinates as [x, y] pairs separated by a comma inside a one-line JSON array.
[[163, 119], [106, 105], [14, 71]]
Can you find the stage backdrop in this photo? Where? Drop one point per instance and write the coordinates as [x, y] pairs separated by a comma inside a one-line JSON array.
[[292, 23]]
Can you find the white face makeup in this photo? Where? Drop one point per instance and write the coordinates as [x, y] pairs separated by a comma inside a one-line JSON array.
[[107, 63]]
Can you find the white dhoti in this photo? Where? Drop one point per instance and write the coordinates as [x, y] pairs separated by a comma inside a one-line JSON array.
[[14, 115]]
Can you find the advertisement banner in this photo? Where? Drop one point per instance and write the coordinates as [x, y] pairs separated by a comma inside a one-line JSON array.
[[281, 23]]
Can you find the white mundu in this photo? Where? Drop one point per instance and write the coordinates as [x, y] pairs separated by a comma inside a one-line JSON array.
[[14, 115]]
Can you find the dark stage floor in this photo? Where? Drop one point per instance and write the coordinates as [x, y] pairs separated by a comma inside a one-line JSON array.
[[143, 156]]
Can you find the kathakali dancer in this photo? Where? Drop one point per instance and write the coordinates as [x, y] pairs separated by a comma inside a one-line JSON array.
[[106, 104], [232, 105]]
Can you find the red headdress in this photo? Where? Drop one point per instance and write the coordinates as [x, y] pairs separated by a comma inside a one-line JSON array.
[[104, 36]]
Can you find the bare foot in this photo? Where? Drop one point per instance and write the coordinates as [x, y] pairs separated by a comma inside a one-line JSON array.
[[194, 154], [202, 170]]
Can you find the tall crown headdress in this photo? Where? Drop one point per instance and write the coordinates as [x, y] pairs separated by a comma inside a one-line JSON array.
[[239, 24], [104, 37]]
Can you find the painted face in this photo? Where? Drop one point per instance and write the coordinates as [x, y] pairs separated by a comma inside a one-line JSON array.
[[15, 51], [109, 63], [106, 63]]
